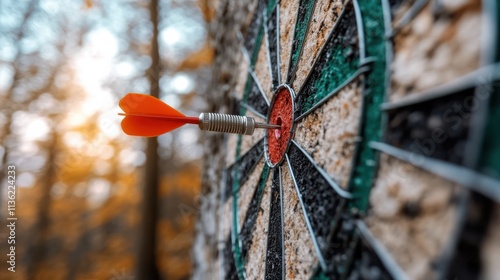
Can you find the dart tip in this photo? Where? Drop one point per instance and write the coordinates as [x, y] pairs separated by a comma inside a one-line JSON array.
[[267, 126]]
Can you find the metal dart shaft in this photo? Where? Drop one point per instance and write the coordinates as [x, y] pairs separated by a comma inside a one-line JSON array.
[[267, 125], [231, 123]]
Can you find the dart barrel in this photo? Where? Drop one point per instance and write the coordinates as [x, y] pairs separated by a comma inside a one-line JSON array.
[[227, 123]]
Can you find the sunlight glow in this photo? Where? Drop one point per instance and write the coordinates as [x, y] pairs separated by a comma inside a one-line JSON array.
[[170, 36], [132, 157], [73, 139], [6, 74], [73, 119], [182, 83], [37, 129], [109, 123], [125, 69], [31, 126], [98, 192], [28, 147], [25, 180], [93, 66]]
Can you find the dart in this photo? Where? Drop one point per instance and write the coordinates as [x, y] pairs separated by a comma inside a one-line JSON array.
[[148, 116]]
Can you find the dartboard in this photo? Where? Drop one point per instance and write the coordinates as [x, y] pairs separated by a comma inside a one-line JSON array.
[[386, 165]]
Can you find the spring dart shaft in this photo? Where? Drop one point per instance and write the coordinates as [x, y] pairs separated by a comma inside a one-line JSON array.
[[231, 123]]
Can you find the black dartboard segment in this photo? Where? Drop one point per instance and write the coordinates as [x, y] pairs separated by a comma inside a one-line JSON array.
[[229, 265], [274, 259], [239, 171], [434, 129], [319, 199], [246, 233], [253, 30], [302, 24], [255, 98], [272, 39], [337, 62]]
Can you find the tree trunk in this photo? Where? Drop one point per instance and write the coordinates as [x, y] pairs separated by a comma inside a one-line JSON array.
[[37, 250], [146, 262]]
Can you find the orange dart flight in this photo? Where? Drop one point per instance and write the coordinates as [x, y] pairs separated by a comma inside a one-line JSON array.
[[148, 116]]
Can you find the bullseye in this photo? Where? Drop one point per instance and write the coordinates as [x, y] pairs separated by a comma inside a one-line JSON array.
[[280, 113]]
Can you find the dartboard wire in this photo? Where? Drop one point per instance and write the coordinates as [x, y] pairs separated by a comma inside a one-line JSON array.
[[266, 32], [256, 22], [361, 33], [353, 77], [464, 176], [463, 206], [389, 57], [268, 45], [240, 255], [252, 109], [479, 77], [323, 48], [489, 42], [252, 81], [414, 10], [234, 231], [244, 178], [243, 50], [341, 192], [290, 75], [387, 260], [278, 45], [250, 221], [321, 259], [241, 157], [236, 242], [229, 191], [386, 10], [237, 162], [251, 62], [223, 240], [257, 82], [254, 77], [282, 225]]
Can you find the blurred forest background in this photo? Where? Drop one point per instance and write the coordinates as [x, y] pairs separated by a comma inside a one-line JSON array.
[[86, 196]]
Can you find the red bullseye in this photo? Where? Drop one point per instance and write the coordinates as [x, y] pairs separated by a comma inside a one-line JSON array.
[[280, 113]]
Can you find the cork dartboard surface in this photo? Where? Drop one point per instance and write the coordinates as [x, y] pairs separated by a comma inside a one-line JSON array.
[[387, 165]]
